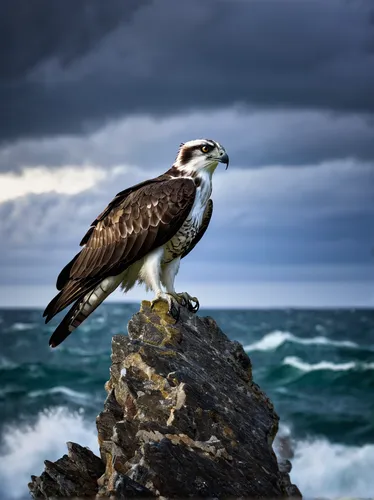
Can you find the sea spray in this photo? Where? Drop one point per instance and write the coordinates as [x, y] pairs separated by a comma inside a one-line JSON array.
[[324, 469], [330, 411], [23, 449]]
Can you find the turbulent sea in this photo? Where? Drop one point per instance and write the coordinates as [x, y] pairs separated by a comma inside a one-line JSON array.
[[316, 366]]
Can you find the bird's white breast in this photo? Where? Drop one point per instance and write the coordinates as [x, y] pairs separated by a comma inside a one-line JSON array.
[[203, 192]]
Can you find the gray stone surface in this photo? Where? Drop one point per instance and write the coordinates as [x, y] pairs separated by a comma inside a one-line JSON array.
[[183, 418], [73, 475]]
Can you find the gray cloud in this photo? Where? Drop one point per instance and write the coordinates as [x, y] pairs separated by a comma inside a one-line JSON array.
[[33, 32], [169, 57], [286, 86], [269, 217], [253, 139]]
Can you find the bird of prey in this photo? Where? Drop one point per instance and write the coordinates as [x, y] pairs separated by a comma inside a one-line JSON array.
[[140, 237]]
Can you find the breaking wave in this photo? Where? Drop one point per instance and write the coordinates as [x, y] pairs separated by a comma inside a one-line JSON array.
[[275, 339], [24, 448], [301, 365], [319, 468], [323, 469], [65, 391]]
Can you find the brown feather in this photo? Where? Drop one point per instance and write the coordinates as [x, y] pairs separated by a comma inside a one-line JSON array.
[[74, 290], [102, 257], [63, 277], [116, 201]]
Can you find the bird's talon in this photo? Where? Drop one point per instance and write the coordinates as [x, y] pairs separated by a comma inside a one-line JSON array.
[[191, 303], [181, 299], [174, 311], [184, 302], [196, 305]]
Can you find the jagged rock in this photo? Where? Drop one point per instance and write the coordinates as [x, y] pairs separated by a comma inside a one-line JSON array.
[[183, 417], [73, 475]]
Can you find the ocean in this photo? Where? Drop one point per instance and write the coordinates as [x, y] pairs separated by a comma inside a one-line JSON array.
[[317, 366]]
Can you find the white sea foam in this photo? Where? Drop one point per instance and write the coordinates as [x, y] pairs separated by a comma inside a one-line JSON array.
[[25, 448], [319, 468], [322, 469], [275, 339], [22, 326], [303, 366], [65, 391], [327, 470]]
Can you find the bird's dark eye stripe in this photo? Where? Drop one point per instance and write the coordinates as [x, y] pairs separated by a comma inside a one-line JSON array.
[[187, 153], [205, 144]]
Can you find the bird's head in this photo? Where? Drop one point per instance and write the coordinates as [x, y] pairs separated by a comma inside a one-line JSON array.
[[200, 154]]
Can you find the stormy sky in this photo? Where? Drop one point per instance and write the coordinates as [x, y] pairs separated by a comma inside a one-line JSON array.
[[96, 96]]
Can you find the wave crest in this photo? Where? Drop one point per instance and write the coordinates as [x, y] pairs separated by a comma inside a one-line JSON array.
[[20, 327], [62, 390], [303, 366], [275, 339], [24, 448]]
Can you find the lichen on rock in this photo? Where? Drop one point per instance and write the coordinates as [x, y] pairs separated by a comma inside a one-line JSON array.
[[183, 416]]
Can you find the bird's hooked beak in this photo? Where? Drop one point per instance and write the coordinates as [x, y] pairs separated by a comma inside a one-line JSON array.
[[224, 158]]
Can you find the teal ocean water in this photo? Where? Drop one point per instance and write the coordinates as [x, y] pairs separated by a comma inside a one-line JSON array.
[[316, 366]]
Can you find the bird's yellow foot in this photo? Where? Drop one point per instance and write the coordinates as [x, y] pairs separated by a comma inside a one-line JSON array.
[[174, 309], [186, 300]]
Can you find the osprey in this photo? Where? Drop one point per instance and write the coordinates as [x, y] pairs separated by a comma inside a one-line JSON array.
[[140, 237]]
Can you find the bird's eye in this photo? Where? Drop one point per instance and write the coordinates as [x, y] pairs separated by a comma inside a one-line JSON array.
[[204, 149]]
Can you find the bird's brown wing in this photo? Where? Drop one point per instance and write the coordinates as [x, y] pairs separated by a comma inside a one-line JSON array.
[[204, 226], [126, 231]]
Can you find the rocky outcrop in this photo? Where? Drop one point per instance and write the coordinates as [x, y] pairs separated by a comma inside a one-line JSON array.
[[73, 475], [183, 417]]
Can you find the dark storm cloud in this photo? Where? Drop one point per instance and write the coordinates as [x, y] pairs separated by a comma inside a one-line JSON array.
[[31, 32], [253, 139], [66, 69]]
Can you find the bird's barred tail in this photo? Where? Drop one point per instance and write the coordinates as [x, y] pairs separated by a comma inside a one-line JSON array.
[[83, 308]]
